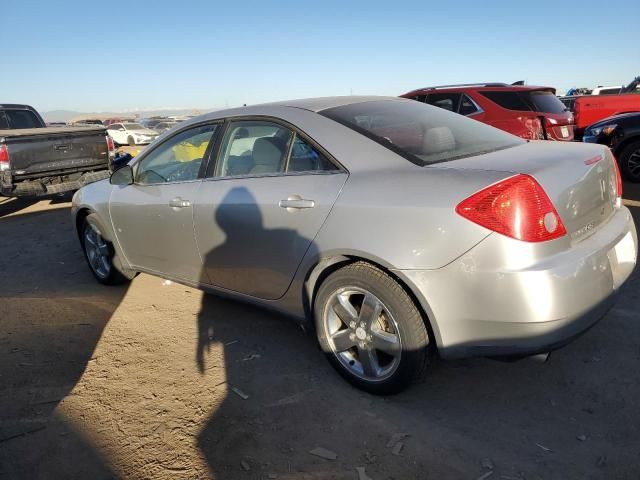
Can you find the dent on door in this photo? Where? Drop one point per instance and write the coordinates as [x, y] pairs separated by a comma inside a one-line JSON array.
[[253, 233]]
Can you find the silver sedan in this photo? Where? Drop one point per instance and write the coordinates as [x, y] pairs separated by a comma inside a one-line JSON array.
[[399, 230]]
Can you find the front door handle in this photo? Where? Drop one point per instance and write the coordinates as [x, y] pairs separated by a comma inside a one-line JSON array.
[[179, 203], [296, 202]]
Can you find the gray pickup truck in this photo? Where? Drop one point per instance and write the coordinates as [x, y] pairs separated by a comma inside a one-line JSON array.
[[37, 160]]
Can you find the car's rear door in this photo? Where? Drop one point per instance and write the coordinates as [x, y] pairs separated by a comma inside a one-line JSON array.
[[153, 218], [269, 193]]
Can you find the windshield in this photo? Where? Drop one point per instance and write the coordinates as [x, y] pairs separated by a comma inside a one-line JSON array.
[[133, 126], [545, 102], [421, 133]]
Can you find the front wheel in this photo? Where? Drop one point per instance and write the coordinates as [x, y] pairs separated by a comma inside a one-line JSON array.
[[99, 254], [131, 142], [630, 162], [370, 329]]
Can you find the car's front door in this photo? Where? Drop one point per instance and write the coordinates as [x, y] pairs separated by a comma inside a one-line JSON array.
[[257, 216], [153, 218]]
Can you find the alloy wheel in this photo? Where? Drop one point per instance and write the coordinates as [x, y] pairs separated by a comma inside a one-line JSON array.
[[362, 333], [98, 253], [633, 164]]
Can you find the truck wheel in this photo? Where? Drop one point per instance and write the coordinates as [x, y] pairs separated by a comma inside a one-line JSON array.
[[99, 254], [370, 329], [131, 142], [630, 162]]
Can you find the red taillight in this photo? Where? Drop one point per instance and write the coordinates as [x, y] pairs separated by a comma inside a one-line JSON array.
[[4, 157], [517, 207], [110, 145], [618, 177]]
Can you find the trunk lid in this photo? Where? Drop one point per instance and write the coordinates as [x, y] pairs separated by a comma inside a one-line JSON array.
[[580, 179]]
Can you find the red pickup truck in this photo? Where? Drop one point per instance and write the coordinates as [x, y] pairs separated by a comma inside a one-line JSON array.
[[589, 109]]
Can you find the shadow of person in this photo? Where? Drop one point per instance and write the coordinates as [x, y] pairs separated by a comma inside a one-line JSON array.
[[246, 343], [52, 315]]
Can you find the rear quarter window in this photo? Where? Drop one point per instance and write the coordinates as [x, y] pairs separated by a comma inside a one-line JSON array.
[[508, 100]]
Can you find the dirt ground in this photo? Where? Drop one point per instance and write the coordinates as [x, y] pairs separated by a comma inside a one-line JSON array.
[[147, 382]]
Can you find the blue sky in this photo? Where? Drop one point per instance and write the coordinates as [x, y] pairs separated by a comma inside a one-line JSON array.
[[116, 55]]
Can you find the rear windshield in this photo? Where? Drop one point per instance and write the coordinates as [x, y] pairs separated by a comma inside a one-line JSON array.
[[545, 102], [14, 119], [527, 101], [421, 133]]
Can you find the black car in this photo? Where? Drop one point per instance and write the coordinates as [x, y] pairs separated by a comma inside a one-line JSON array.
[[622, 134]]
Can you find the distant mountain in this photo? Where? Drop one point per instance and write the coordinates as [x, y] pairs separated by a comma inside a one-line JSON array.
[[66, 115], [59, 115]]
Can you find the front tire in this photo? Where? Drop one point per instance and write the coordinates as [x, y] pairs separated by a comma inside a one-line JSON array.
[[370, 329], [131, 142], [630, 162], [99, 254]]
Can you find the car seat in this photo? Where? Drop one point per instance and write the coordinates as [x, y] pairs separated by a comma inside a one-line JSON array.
[[268, 155]]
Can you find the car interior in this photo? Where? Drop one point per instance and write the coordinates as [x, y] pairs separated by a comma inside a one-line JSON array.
[[262, 149]]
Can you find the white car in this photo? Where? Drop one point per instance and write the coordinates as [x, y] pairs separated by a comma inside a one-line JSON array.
[[131, 134], [600, 90]]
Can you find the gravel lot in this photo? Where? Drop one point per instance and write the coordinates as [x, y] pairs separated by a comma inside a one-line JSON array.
[[148, 382]]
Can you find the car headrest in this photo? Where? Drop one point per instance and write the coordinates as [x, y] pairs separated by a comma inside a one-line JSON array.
[[438, 140], [268, 151]]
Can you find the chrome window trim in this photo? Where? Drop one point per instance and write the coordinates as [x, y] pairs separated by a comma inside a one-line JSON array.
[[475, 104], [271, 175]]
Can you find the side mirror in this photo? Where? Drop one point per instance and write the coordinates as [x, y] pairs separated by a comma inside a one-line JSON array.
[[122, 176], [120, 160]]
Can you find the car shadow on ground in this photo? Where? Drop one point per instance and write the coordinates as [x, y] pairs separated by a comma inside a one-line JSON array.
[[13, 205], [50, 323]]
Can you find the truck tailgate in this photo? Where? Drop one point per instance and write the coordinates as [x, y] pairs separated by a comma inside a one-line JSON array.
[[40, 150]]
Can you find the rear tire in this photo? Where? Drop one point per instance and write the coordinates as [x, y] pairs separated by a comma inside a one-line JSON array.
[[370, 330], [99, 254], [630, 162], [131, 142]]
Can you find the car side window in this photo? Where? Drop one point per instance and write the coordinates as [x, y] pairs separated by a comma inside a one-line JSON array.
[[305, 158], [253, 148], [508, 100], [448, 101], [467, 106], [178, 159]]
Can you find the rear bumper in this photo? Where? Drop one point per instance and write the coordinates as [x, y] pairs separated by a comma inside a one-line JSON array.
[[35, 187], [498, 299]]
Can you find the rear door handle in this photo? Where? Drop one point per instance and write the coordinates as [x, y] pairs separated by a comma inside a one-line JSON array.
[[179, 203], [61, 147], [296, 202]]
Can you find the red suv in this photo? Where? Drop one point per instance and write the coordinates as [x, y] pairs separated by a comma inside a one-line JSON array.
[[529, 112]]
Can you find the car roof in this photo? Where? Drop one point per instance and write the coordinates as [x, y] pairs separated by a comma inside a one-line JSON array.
[[324, 103], [310, 104], [16, 106]]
